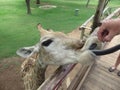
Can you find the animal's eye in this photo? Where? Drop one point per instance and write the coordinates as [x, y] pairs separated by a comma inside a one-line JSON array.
[[47, 42]]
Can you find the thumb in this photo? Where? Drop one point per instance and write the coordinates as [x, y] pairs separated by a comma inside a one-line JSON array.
[[109, 37]]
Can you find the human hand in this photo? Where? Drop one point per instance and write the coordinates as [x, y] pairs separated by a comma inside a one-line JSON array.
[[109, 29]]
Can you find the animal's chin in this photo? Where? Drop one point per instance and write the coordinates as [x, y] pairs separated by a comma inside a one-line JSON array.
[[61, 58]]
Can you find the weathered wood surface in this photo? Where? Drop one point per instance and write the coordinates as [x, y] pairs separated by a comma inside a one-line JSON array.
[[56, 79], [80, 77], [115, 13], [100, 78]]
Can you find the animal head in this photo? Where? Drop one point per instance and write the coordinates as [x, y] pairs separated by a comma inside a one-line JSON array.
[[54, 48]]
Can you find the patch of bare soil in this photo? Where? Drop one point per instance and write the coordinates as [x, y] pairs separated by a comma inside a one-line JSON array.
[[48, 6], [10, 78]]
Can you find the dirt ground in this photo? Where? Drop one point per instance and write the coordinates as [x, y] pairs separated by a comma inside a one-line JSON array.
[[10, 77]]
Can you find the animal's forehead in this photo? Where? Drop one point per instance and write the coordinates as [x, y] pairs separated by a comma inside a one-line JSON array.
[[54, 35]]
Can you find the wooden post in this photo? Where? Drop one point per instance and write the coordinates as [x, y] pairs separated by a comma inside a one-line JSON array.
[[98, 14], [37, 1], [106, 3], [28, 6], [87, 3]]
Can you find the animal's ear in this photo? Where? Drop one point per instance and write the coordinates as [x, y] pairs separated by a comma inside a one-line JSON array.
[[26, 52], [42, 31]]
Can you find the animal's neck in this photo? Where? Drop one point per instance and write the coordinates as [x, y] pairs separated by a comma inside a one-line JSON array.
[[33, 73], [39, 70]]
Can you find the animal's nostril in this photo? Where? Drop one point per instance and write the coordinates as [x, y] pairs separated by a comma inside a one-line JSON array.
[[93, 46], [47, 42]]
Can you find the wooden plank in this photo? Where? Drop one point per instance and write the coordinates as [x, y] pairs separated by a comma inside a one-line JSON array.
[[84, 76], [102, 80], [56, 79], [78, 78], [116, 12]]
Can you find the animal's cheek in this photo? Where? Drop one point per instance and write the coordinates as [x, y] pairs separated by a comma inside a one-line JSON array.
[[86, 57]]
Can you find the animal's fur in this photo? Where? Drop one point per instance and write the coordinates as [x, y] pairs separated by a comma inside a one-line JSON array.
[[33, 74], [54, 48]]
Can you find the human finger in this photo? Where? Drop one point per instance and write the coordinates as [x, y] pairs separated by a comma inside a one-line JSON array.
[[109, 37], [100, 33]]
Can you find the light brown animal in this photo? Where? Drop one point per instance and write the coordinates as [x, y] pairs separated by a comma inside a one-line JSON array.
[[53, 48]]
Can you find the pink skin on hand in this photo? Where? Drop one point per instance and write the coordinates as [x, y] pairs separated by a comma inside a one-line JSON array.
[[109, 29]]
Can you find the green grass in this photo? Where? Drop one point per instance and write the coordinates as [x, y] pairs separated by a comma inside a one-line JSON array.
[[17, 29]]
